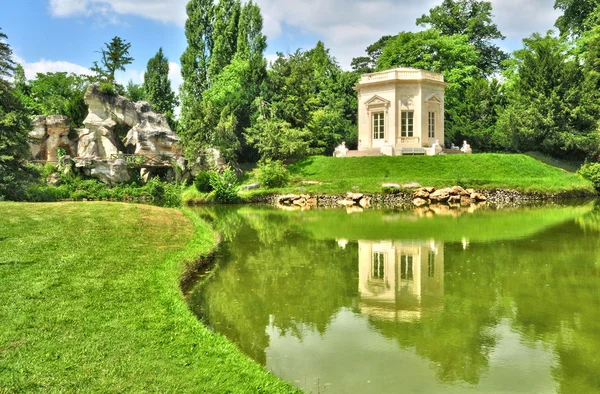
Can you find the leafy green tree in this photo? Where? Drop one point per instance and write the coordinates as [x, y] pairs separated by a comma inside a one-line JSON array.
[[475, 116], [575, 15], [368, 64], [157, 86], [135, 92], [57, 93], [225, 35], [545, 110], [276, 139], [453, 56], [115, 56], [472, 18], [14, 126]]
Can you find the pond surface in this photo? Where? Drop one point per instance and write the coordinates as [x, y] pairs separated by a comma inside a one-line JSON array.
[[393, 301]]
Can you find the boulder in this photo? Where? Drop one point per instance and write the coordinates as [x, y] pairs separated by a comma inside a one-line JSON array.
[[287, 198], [429, 189], [440, 195], [312, 202], [454, 199], [391, 185], [109, 171], [299, 202], [346, 203], [458, 191], [411, 185], [421, 193], [470, 191], [354, 196], [466, 200], [419, 202], [478, 197], [365, 202], [53, 179]]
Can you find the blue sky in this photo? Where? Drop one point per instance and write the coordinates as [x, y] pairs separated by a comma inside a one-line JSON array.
[[65, 35]]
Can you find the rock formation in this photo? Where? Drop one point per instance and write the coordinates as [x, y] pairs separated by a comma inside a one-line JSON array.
[[114, 127], [50, 133]]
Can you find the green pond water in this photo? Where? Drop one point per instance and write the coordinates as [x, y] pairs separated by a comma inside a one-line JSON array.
[[383, 301]]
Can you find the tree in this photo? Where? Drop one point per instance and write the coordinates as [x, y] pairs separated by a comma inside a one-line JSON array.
[[368, 64], [157, 86], [194, 70], [115, 56], [575, 14], [59, 93], [225, 35], [14, 126], [472, 18], [545, 111], [453, 56], [135, 92]]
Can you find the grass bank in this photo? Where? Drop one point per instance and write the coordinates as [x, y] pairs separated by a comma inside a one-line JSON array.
[[481, 171], [90, 302]]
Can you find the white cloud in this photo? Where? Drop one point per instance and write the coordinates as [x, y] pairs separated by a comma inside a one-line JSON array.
[[175, 76], [45, 66], [346, 26], [168, 11]]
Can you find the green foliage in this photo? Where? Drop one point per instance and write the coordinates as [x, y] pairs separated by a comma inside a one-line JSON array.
[[275, 139], [544, 111], [108, 89], [272, 174], [225, 185], [591, 171], [136, 92], [157, 87], [574, 20], [14, 127], [115, 56], [472, 18], [368, 64], [225, 35], [202, 182]]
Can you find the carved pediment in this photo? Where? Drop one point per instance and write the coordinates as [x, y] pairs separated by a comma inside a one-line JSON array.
[[433, 99], [377, 101]]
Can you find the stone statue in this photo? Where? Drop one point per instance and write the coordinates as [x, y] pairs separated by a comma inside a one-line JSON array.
[[340, 151], [466, 148]]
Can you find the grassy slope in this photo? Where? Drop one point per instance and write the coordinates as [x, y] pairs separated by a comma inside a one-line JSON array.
[[90, 302], [483, 171]]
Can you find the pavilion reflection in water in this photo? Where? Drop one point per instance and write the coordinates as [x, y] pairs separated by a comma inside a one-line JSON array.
[[401, 280]]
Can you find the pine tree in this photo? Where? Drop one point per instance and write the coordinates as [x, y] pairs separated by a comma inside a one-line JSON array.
[[114, 58], [14, 125], [157, 86]]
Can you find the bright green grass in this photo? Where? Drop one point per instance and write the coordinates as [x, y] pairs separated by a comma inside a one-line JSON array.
[[90, 302], [482, 171]]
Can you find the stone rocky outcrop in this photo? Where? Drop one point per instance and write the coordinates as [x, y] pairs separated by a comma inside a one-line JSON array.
[[50, 133], [114, 126]]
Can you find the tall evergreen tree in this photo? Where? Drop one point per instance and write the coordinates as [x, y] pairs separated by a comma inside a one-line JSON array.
[[115, 56], [157, 86], [14, 126], [225, 35]]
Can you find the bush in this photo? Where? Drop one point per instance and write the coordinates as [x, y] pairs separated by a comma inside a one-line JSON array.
[[225, 186], [272, 174], [108, 88], [172, 195], [202, 182], [591, 171]]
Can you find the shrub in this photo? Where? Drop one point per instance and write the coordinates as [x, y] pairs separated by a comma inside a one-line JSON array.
[[172, 195], [591, 171], [225, 186], [272, 174], [202, 182], [107, 88]]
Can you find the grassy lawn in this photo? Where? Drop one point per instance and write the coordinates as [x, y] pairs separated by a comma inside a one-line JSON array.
[[482, 171], [90, 302]]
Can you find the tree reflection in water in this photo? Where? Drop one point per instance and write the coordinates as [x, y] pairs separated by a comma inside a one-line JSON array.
[[288, 274]]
